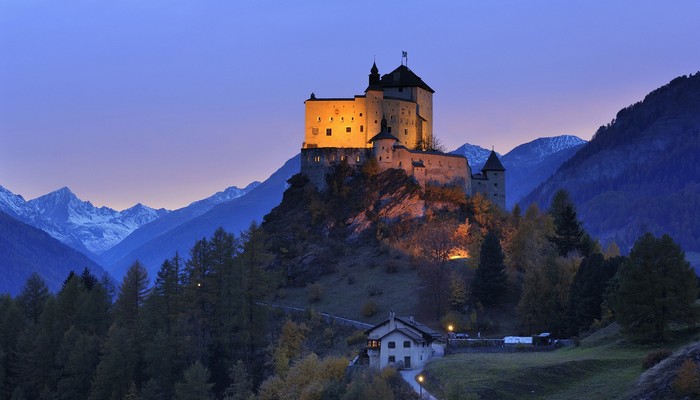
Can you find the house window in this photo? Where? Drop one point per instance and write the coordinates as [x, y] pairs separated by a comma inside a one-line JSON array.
[[362, 128], [373, 344], [392, 359], [392, 345], [406, 344], [348, 129], [329, 131]]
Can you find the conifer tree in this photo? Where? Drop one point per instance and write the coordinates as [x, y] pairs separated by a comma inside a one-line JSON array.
[[33, 296], [240, 387], [568, 233], [588, 288], [657, 288], [195, 384], [490, 282]]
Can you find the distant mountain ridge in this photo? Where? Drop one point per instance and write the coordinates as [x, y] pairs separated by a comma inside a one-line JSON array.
[[25, 249], [640, 172], [159, 226], [177, 232], [528, 164], [75, 222]]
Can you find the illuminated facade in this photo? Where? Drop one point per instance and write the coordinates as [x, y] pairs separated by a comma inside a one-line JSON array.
[[393, 124]]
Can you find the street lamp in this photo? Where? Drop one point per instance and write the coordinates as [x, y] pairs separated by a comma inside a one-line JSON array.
[[420, 384]]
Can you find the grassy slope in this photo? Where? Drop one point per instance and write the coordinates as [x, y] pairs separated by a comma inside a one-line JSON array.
[[602, 368], [365, 269]]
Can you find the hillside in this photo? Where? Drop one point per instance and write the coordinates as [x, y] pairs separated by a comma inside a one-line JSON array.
[[170, 221], [25, 249], [640, 172], [234, 216]]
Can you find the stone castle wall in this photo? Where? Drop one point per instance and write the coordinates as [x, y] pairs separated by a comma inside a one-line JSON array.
[[316, 163]]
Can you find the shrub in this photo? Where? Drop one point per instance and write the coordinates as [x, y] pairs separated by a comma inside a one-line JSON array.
[[392, 267], [374, 290], [356, 338], [369, 309], [655, 357], [315, 292], [687, 380]]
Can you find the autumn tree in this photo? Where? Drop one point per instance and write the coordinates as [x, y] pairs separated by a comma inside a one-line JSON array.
[[657, 288]]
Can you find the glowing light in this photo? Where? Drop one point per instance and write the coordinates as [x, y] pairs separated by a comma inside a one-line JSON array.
[[450, 328]]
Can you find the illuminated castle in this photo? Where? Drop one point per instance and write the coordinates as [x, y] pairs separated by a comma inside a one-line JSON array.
[[392, 123]]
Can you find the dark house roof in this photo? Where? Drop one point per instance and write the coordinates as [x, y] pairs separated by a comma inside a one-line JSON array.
[[426, 332], [403, 77], [383, 135], [493, 163]]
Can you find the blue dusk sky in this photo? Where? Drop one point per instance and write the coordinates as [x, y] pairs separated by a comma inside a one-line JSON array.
[[167, 102]]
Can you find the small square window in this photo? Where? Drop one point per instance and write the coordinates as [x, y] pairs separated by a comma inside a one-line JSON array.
[[406, 344], [392, 359], [329, 131], [360, 114], [392, 345], [388, 129], [348, 129]]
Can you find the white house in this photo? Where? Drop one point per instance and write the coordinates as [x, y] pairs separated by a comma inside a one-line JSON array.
[[400, 342]]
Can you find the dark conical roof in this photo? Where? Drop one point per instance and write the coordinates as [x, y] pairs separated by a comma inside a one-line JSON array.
[[384, 134], [493, 163], [374, 69], [404, 77]]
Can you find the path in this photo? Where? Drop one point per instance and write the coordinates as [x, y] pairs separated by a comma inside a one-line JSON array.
[[410, 375]]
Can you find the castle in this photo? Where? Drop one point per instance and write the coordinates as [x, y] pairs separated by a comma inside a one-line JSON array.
[[392, 123]]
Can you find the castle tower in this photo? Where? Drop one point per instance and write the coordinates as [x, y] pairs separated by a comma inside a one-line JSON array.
[[374, 103], [495, 175], [383, 146]]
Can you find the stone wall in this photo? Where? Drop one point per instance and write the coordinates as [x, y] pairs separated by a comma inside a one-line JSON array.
[[317, 162]]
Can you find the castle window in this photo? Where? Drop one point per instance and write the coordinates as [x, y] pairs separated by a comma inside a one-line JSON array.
[[391, 117], [314, 131], [375, 121], [405, 131], [362, 128], [352, 119], [318, 119], [348, 129], [360, 114], [388, 129], [495, 184], [342, 119], [357, 159], [329, 131], [330, 119]]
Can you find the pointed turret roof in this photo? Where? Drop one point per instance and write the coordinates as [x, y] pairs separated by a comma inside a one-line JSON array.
[[493, 163], [384, 133], [404, 77]]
